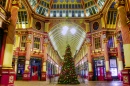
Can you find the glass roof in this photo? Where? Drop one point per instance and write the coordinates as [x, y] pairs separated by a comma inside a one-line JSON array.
[[60, 40], [67, 8]]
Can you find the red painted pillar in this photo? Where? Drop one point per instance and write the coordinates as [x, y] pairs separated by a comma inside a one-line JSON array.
[[43, 75], [8, 74], [26, 75], [120, 62], [126, 39], [90, 69], [108, 73]]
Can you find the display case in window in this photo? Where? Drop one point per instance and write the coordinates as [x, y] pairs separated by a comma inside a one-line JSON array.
[[113, 67]]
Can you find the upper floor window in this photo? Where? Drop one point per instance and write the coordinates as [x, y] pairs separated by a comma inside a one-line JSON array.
[[36, 43], [22, 21], [110, 42], [112, 14], [111, 18], [23, 41], [97, 43]]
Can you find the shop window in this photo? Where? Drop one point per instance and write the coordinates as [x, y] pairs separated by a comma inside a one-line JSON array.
[[36, 43], [113, 66], [23, 41], [20, 67], [97, 43], [3, 2]]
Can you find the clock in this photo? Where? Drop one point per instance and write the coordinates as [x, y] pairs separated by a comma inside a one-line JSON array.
[[95, 25]]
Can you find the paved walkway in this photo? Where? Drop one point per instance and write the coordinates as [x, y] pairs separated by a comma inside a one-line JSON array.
[[82, 83], [90, 83]]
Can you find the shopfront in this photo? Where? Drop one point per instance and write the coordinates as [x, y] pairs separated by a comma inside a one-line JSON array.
[[99, 69], [20, 67], [36, 66], [113, 67]]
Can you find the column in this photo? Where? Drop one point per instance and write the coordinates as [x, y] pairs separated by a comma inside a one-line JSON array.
[[7, 70], [47, 26], [108, 73], [90, 69], [15, 67], [126, 39], [26, 75], [2, 51], [87, 27], [43, 75], [120, 62]]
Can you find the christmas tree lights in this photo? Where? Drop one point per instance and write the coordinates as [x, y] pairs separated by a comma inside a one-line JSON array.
[[68, 74]]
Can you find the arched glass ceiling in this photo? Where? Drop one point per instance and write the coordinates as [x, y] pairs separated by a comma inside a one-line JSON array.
[[67, 8], [60, 41]]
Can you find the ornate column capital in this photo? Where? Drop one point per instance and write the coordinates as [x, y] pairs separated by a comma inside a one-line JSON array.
[[119, 3], [88, 44], [16, 3], [28, 41], [118, 41], [45, 44], [105, 40]]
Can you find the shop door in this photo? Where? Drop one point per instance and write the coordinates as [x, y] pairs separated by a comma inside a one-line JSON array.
[[100, 74], [35, 69], [20, 68], [34, 72]]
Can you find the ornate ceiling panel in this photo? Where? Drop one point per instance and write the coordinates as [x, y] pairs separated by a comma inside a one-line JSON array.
[[67, 8]]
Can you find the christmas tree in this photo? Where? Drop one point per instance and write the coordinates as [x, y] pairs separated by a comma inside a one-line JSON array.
[[68, 74]]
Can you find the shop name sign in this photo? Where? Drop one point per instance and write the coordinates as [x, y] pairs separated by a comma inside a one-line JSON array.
[[99, 58], [125, 72]]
